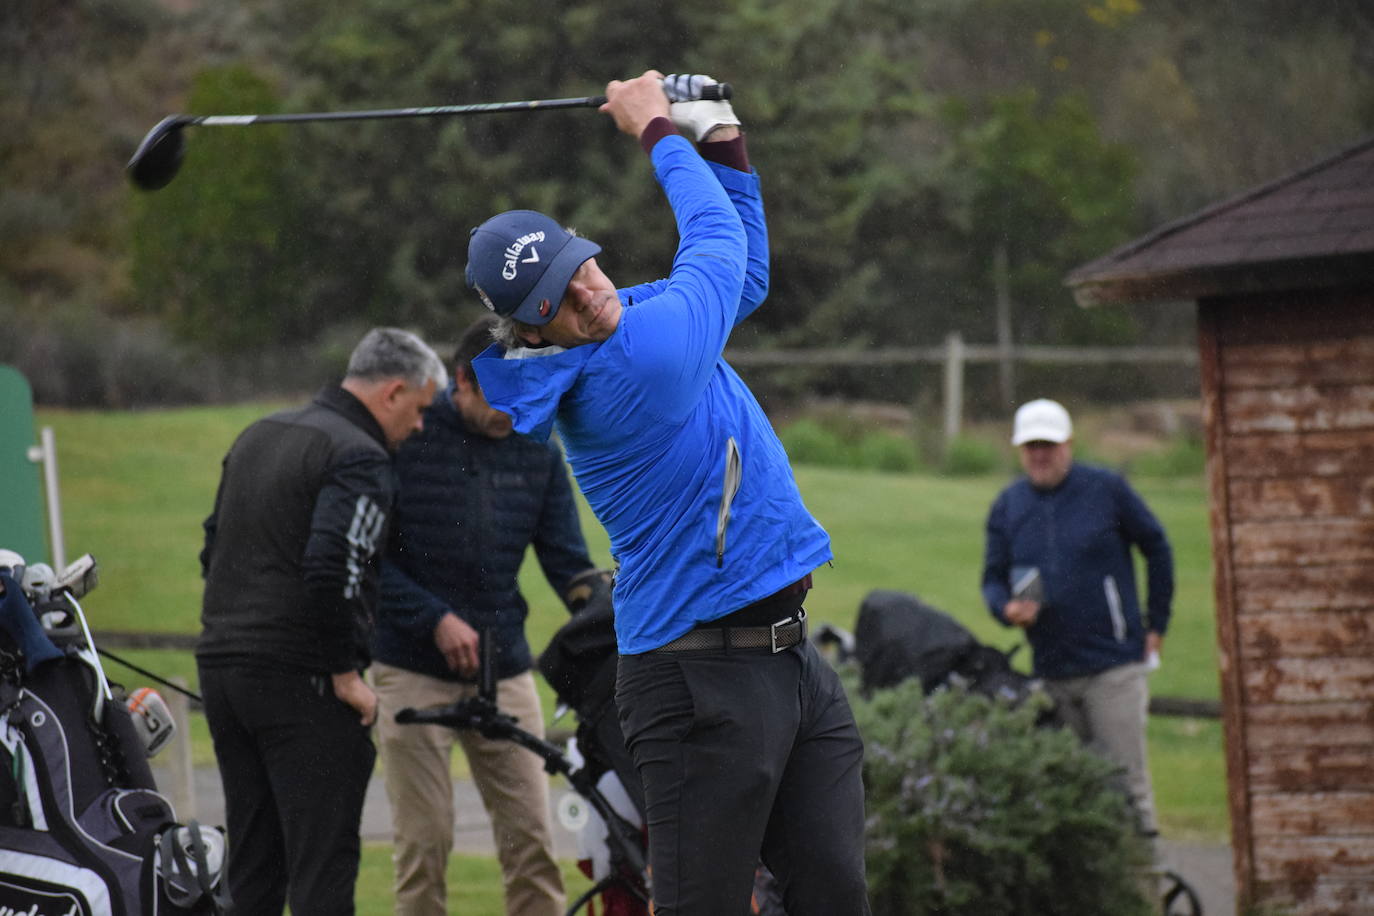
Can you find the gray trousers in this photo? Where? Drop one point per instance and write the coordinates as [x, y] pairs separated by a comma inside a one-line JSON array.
[[1108, 711]]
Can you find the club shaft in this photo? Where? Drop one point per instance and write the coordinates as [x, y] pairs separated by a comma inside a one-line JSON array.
[[158, 157], [718, 91], [594, 101]]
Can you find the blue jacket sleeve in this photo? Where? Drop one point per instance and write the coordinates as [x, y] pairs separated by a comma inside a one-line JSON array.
[[632, 294], [745, 193], [997, 560], [743, 190], [558, 541], [675, 339], [1144, 530], [409, 607]]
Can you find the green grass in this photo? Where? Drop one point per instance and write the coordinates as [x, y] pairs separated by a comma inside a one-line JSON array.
[[474, 884], [137, 485]]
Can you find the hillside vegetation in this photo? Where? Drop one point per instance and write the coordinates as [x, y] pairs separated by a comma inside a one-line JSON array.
[[906, 149]]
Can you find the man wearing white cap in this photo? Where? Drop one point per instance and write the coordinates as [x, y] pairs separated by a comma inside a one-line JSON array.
[[1058, 564]]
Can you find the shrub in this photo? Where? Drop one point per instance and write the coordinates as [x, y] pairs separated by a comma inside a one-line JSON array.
[[83, 357], [1183, 458], [887, 452], [966, 457], [78, 356], [810, 442], [974, 810], [840, 444]]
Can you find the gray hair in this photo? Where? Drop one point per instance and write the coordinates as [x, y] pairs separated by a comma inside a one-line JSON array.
[[387, 353], [506, 332]]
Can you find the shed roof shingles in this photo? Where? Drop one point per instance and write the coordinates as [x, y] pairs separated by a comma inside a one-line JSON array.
[[1325, 209]]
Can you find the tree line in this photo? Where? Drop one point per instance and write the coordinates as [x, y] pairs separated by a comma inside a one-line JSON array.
[[907, 147]]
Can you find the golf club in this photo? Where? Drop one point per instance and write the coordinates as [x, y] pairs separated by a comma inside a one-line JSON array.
[[158, 157]]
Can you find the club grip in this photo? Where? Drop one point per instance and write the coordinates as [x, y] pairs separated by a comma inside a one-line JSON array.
[[713, 92], [716, 92]]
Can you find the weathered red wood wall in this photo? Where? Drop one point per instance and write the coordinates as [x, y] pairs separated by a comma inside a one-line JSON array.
[[1288, 400]]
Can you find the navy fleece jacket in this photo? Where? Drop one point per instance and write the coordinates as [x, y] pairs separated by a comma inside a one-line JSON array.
[[1079, 535]]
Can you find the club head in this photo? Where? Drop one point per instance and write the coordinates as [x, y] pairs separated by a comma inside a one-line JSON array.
[[158, 157]]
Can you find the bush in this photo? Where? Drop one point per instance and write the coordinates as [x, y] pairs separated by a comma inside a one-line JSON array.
[[1183, 458], [887, 452], [966, 457], [78, 356], [82, 357], [811, 441], [974, 810]]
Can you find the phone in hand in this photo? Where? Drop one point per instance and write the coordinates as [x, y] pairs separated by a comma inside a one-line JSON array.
[[1027, 585]]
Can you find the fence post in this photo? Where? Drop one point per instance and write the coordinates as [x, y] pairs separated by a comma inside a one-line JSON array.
[[954, 385], [183, 774], [1006, 366]]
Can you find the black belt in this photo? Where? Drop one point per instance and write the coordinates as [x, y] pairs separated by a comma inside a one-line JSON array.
[[784, 634]]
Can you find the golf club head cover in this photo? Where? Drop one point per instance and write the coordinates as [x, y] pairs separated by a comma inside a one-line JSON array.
[[694, 116], [152, 719]]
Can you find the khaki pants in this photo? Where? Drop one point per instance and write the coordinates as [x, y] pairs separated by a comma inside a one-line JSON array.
[[1108, 711], [511, 780]]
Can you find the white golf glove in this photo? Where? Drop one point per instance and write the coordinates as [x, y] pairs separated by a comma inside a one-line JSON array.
[[694, 116]]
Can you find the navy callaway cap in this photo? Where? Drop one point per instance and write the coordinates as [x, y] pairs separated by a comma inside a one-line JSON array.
[[520, 263]]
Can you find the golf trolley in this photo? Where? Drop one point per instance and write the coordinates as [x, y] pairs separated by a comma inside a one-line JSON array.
[[625, 843]]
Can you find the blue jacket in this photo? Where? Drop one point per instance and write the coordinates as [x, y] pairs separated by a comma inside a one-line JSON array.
[[669, 446], [468, 508], [1079, 535]]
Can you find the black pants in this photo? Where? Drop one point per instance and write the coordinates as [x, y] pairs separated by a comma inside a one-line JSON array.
[[295, 762], [741, 754]]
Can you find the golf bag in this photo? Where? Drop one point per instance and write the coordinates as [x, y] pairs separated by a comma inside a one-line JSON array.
[[580, 665], [898, 636], [83, 829]]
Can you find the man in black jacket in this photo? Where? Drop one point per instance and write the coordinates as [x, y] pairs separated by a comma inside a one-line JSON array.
[[473, 498], [290, 567]]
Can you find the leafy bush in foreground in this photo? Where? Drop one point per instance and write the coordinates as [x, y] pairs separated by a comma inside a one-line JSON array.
[[974, 810]]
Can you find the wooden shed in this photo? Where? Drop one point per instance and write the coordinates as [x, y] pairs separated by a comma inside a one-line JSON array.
[[1283, 280]]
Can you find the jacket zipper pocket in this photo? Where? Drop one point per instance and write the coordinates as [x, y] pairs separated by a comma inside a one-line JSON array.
[[733, 472], [1114, 608]]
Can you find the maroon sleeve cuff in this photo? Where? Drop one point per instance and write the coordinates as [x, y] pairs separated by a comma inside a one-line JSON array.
[[730, 153], [655, 131]]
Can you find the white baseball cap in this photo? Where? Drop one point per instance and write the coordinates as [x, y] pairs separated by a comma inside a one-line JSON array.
[[1041, 420]]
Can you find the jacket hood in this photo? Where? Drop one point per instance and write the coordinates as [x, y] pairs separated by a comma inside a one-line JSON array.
[[528, 384]]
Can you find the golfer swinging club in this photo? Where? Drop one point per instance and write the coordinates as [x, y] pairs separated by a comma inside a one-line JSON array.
[[741, 733]]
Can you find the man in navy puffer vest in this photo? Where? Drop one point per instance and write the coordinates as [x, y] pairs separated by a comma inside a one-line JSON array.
[[472, 498]]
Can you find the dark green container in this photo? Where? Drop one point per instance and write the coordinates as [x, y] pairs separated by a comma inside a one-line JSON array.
[[23, 526]]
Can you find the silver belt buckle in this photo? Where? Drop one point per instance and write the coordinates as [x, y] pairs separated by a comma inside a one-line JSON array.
[[799, 619]]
